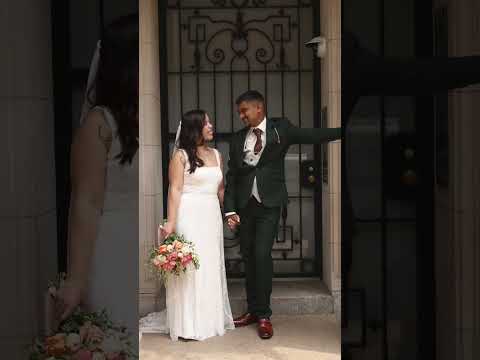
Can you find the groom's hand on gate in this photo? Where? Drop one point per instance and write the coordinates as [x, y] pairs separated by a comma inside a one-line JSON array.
[[233, 221]]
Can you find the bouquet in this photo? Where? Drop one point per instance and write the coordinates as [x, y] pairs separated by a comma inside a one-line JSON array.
[[174, 256], [83, 336]]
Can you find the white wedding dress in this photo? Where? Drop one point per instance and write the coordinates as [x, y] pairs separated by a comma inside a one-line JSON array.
[[197, 303], [114, 267]]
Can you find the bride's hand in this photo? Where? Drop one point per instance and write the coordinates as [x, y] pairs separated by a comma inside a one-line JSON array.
[[165, 230], [68, 297], [233, 221]]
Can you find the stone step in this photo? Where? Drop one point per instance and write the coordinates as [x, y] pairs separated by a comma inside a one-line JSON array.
[[290, 296]]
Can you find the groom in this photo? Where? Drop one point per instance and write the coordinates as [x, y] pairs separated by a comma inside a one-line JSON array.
[[255, 192]]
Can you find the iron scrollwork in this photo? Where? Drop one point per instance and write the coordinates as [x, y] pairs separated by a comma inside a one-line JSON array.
[[236, 37], [223, 3], [220, 40]]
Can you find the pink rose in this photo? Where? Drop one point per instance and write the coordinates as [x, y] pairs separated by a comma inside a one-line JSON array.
[[115, 356], [172, 257], [187, 259], [167, 266], [82, 355], [91, 333]]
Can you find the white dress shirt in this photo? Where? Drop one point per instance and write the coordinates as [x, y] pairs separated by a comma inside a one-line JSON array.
[[250, 157]]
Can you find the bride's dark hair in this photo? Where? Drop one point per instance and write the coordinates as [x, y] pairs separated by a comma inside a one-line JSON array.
[[116, 83], [193, 122]]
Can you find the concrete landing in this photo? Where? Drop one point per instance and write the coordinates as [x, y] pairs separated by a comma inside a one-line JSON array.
[[290, 296], [306, 337]]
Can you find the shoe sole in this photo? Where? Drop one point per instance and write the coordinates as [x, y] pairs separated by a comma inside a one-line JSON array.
[[243, 325]]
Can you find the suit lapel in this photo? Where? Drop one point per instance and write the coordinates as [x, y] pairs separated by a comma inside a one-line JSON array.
[[270, 139], [270, 134], [241, 144]]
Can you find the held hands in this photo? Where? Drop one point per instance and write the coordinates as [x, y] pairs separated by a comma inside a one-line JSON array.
[[233, 221]]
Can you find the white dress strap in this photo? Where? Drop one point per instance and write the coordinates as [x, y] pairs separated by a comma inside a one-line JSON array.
[[185, 155], [107, 114], [217, 155]]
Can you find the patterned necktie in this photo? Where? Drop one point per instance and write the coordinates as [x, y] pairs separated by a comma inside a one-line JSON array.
[[258, 144]]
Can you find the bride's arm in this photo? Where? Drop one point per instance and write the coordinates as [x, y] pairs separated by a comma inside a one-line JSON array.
[[221, 187], [175, 178], [89, 153]]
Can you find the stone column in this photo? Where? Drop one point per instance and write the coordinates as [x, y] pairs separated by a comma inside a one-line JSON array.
[[464, 190], [457, 206], [27, 185], [150, 150], [330, 27]]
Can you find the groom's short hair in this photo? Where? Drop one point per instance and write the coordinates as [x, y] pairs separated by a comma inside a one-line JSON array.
[[250, 95]]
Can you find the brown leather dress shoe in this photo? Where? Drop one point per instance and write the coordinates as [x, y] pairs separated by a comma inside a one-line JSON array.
[[265, 328], [244, 320]]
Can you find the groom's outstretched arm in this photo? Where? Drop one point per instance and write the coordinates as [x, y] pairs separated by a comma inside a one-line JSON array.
[[298, 135]]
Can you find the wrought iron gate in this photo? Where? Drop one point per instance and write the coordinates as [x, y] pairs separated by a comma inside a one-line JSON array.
[[211, 52]]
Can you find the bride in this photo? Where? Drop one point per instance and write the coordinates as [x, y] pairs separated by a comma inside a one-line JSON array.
[[103, 220], [197, 304]]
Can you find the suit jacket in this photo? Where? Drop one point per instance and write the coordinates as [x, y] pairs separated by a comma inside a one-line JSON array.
[[270, 169]]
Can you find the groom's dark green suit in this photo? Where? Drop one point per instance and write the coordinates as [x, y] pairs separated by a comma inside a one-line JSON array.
[[259, 221]]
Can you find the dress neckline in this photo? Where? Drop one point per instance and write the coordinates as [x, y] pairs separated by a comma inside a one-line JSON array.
[[217, 158]]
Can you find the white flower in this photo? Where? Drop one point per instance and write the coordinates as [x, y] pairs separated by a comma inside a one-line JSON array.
[[180, 255], [98, 356], [73, 341], [111, 343], [161, 259], [186, 250], [169, 247]]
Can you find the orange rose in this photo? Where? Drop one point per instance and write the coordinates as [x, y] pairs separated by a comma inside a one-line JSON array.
[[55, 345], [162, 249]]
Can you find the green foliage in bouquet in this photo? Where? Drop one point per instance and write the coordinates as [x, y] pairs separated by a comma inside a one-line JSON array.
[[172, 257], [83, 335]]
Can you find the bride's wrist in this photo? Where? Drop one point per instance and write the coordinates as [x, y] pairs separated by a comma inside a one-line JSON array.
[[77, 282]]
